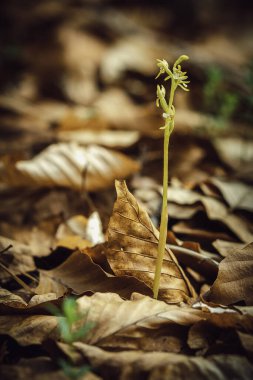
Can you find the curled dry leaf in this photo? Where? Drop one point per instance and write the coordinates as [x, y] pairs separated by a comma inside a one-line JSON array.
[[73, 166], [132, 251], [235, 278]]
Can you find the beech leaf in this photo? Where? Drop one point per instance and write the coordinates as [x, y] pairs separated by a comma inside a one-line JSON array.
[[132, 248], [70, 165], [132, 319]]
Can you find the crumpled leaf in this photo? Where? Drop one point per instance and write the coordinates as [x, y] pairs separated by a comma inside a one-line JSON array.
[[71, 165], [235, 278], [133, 242]]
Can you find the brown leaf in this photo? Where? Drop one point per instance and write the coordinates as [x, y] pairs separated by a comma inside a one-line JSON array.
[[235, 278], [11, 303], [81, 274], [27, 330], [133, 242], [71, 165], [18, 258], [215, 210], [135, 320], [226, 247]]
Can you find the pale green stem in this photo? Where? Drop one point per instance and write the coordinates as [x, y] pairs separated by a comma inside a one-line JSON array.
[[164, 214]]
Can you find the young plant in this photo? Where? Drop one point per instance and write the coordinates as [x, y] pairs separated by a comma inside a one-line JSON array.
[[217, 100], [178, 79], [71, 328]]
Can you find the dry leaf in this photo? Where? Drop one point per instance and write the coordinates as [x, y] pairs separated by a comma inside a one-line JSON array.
[[235, 152], [237, 194], [18, 258], [132, 251], [11, 303], [80, 232], [108, 138], [70, 165], [81, 274], [134, 320], [235, 278], [27, 330], [215, 210], [226, 247]]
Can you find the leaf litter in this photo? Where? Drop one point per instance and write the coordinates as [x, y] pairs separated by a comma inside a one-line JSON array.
[[71, 125]]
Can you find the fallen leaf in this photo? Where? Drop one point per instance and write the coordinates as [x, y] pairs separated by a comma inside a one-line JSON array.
[[81, 274], [235, 152], [18, 258], [80, 232], [107, 138], [134, 320], [133, 242], [235, 280], [226, 247], [237, 194], [27, 330], [71, 165], [215, 210]]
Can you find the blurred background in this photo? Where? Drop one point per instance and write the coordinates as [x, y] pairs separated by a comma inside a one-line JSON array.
[[83, 72]]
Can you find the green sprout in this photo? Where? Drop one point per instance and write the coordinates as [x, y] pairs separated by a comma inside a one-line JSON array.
[[72, 328], [178, 79], [217, 99]]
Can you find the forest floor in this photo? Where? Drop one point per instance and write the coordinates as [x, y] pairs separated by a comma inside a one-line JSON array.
[[81, 162]]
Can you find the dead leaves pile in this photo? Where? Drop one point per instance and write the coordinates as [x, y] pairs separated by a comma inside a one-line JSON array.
[[133, 334], [71, 125]]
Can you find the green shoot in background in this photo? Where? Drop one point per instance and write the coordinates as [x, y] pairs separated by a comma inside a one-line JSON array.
[[72, 328], [217, 100], [178, 79]]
